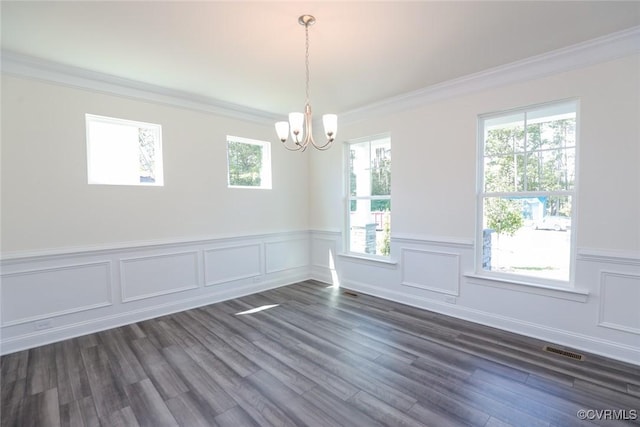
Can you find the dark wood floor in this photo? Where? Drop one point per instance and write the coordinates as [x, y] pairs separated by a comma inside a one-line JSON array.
[[318, 357]]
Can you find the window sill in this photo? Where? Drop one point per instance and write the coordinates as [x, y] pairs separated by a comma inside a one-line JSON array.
[[377, 261], [571, 294]]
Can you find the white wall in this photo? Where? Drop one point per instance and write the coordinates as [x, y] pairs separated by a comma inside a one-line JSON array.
[[47, 204], [433, 215]]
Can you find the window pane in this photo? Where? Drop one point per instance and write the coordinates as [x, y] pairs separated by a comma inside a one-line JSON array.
[[551, 127], [381, 167], [527, 236], [504, 137], [370, 168], [359, 168], [504, 174], [551, 170], [551, 135], [147, 148], [370, 227]]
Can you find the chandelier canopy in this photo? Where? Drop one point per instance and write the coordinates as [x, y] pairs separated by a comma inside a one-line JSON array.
[[300, 124]]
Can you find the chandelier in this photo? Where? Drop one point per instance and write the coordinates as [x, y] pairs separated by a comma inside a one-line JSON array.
[[300, 123]]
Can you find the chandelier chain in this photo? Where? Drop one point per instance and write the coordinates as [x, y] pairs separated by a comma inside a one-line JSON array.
[[306, 60]]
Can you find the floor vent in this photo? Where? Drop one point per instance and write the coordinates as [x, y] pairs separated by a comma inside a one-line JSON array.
[[349, 293], [565, 353]]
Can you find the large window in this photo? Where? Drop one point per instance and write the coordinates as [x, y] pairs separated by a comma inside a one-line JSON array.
[[369, 200], [123, 152], [526, 194], [249, 163]]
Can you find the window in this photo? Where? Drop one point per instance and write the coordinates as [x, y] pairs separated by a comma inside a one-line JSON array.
[[249, 163], [123, 152], [369, 201], [526, 194]]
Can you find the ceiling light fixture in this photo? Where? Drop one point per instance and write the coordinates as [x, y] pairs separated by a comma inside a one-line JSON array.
[[300, 123]]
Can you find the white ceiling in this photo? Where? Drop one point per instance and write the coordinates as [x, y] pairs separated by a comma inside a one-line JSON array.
[[252, 53]]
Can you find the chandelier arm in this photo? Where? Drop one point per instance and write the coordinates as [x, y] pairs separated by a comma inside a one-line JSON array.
[[298, 147], [323, 147]]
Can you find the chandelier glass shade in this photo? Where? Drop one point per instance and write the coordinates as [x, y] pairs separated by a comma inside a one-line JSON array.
[[300, 124]]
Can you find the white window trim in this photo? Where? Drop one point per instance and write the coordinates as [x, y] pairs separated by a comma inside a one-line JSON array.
[[359, 256], [92, 118], [511, 278], [265, 169]]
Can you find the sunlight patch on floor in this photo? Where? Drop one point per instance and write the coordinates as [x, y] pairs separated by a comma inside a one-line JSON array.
[[257, 309]]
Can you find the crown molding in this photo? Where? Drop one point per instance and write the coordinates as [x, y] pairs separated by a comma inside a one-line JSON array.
[[19, 65], [591, 52]]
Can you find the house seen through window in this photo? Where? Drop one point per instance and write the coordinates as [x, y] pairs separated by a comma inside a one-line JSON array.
[[369, 196], [123, 152], [249, 163], [526, 193]]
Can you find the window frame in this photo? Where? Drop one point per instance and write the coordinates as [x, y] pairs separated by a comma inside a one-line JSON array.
[[481, 194], [265, 168], [348, 199], [158, 157]]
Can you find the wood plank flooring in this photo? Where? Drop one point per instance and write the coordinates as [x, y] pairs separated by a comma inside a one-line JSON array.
[[317, 357]]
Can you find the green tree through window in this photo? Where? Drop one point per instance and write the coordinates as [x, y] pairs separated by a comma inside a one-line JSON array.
[[249, 163]]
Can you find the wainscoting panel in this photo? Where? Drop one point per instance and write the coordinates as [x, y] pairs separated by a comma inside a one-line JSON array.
[[620, 301], [37, 294], [56, 295], [432, 270], [227, 264], [151, 276], [324, 252], [286, 255]]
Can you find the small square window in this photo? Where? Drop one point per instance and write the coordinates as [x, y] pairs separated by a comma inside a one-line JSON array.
[[249, 163], [123, 152]]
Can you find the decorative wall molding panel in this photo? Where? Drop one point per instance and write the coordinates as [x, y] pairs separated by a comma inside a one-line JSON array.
[[620, 301], [47, 298], [432, 270], [150, 276], [324, 251], [221, 264], [40, 293], [286, 254]]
